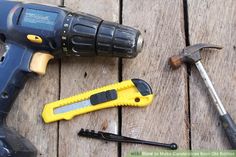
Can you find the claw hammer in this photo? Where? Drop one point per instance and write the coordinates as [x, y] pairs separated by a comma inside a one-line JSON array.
[[191, 55]]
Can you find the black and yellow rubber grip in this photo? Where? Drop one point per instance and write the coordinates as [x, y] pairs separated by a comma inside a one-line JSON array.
[[135, 92]]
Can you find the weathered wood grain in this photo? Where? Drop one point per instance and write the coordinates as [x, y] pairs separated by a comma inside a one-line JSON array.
[[161, 23], [212, 21], [25, 115], [165, 120], [82, 74]]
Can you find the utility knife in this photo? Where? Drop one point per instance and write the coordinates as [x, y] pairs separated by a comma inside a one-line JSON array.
[[134, 92]]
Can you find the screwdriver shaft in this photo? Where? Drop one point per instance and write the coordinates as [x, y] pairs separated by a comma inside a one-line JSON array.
[[211, 89]]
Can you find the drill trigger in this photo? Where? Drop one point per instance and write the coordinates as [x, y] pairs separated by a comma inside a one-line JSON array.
[[39, 62]]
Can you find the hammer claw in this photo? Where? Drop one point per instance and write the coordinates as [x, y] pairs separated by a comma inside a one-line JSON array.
[[198, 47]]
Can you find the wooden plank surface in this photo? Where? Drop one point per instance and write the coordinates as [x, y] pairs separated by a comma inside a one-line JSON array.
[[82, 74], [161, 23], [25, 115], [212, 21], [166, 119]]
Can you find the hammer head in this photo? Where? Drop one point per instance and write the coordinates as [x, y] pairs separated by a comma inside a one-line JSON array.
[[190, 55]]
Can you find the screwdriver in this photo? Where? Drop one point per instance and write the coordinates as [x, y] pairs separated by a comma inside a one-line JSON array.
[[117, 138]]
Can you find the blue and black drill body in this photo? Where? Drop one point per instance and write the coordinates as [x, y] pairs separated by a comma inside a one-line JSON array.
[[35, 33]]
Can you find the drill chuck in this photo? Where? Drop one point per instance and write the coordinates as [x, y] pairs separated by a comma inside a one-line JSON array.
[[87, 35]]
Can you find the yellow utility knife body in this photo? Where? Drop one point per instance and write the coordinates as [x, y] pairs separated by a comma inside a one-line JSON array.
[[134, 92]]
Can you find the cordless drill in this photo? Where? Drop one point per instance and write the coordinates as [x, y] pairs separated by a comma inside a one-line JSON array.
[[34, 34]]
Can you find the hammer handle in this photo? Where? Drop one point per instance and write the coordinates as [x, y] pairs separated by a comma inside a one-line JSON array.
[[230, 129]]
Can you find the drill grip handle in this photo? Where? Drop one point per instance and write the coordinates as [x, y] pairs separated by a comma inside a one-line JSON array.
[[14, 68], [230, 129]]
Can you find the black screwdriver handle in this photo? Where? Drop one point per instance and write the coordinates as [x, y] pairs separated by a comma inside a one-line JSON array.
[[172, 146], [118, 138], [124, 139], [230, 129]]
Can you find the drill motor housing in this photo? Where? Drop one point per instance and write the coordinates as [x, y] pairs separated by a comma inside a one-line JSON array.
[[62, 32]]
